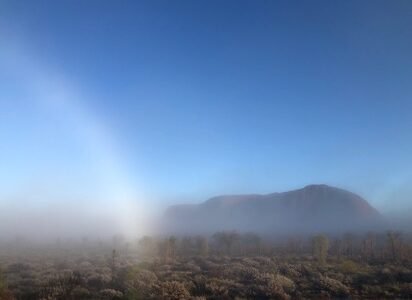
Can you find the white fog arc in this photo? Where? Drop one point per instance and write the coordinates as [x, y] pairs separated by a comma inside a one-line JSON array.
[[117, 206]]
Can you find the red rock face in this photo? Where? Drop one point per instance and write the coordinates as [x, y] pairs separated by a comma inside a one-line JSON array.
[[313, 208]]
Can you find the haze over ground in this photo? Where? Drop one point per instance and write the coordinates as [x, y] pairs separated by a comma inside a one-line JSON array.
[[109, 112]]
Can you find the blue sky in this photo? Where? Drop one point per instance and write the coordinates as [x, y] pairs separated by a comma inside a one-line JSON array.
[[188, 99]]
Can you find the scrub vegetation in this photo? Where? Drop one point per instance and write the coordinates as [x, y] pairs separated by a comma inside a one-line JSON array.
[[225, 265]]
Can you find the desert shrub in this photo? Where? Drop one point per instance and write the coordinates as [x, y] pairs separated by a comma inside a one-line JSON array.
[[110, 294], [268, 286], [198, 287], [338, 275], [249, 262], [349, 266], [248, 274], [369, 290], [191, 267], [98, 281], [141, 284], [61, 286], [179, 276], [222, 288], [264, 261], [279, 285], [286, 283], [333, 286], [290, 270], [80, 293], [173, 290]]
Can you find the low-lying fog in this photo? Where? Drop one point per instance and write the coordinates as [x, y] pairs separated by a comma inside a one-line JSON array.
[[32, 221]]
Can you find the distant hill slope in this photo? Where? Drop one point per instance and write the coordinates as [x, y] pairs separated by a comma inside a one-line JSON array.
[[313, 208]]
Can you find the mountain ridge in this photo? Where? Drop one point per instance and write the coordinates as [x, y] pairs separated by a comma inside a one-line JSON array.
[[315, 207]]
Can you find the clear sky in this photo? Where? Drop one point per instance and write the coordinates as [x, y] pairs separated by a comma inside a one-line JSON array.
[[182, 100]]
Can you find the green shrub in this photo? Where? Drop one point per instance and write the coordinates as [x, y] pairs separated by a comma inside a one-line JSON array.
[[349, 266]]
